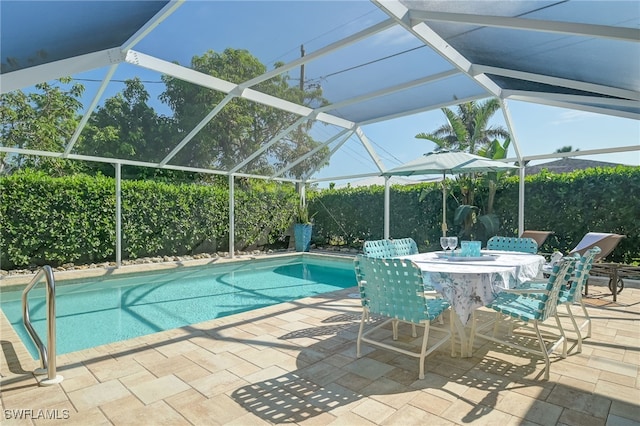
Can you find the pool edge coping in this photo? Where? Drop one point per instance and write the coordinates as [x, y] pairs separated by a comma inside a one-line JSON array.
[[11, 281]]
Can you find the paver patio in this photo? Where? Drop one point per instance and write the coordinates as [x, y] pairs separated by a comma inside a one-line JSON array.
[[295, 363]]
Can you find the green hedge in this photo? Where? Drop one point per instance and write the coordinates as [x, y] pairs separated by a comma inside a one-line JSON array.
[[60, 220], [351, 216], [167, 219], [72, 219], [570, 205]]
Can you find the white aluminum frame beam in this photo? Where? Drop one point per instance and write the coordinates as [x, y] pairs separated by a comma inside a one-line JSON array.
[[275, 139], [575, 104], [53, 154], [347, 177], [429, 37], [354, 38], [333, 151], [556, 81], [369, 148], [27, 77], [204, 80], [178, 71], [92, 106], [570, 99], [516, 146], [232, 217], [509, 121], [118, 212], [572, 28], [556, 155], [151, 24], [310, 153], [387, 207]]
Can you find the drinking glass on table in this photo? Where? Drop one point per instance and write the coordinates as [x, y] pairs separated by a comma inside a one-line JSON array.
[[452, 243], [444, 243]]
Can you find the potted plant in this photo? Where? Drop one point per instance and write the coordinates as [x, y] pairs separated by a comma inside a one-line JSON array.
[[302, 228]]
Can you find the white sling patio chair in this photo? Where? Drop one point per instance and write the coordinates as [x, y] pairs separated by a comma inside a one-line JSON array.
[[572, 294], [528, 309], [394, 289], [524, 245], [379, 248], [404, 246]]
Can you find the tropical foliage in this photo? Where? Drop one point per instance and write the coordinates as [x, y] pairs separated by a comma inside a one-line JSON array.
[[468, 130], [126, 127], [44, 119], [569, 204], [72, 218], [241, 127]]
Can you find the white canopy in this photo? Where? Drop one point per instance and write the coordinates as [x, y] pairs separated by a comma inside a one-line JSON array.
[[448, 162]]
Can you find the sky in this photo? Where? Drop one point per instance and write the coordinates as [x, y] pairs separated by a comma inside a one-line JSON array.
[[254, 26]]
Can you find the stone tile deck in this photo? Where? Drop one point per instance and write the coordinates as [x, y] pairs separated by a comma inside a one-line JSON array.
[[295, 363]]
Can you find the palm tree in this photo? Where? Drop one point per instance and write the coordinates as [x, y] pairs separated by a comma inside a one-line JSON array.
[[496, 151], [467, 130]]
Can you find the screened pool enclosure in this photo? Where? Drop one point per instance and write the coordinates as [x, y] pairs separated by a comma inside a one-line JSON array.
[[359, 64]]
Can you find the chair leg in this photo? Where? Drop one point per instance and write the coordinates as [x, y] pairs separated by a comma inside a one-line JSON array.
[[472, 336], [562, 335], [452, 332], [423, 351], [496, 323], [543, 349], [414, 333], [365, 317], [394, 327], [587, 318], [575, 327]]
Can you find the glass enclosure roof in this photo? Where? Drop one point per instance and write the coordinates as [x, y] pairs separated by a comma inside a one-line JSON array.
[[374, 62]]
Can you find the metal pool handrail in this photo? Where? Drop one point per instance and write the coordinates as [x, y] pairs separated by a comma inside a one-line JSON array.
[[48, 363]]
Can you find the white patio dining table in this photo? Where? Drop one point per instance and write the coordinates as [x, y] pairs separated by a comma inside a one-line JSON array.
[[468, 284]]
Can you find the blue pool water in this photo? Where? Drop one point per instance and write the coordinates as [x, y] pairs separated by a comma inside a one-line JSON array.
[[97, 311]]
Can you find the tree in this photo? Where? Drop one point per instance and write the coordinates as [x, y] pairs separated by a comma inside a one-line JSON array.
[[495, 151], [467, 130], [242, 126], [126, 127], [43, 119]]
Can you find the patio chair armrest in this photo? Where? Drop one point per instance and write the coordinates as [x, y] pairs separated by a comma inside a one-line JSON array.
[[525, 291], [537, 281]]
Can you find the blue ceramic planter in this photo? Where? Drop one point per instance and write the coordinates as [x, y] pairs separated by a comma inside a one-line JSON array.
[[302, 235]]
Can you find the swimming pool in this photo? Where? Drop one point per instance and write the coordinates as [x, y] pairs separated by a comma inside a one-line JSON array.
[[97, 311]]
